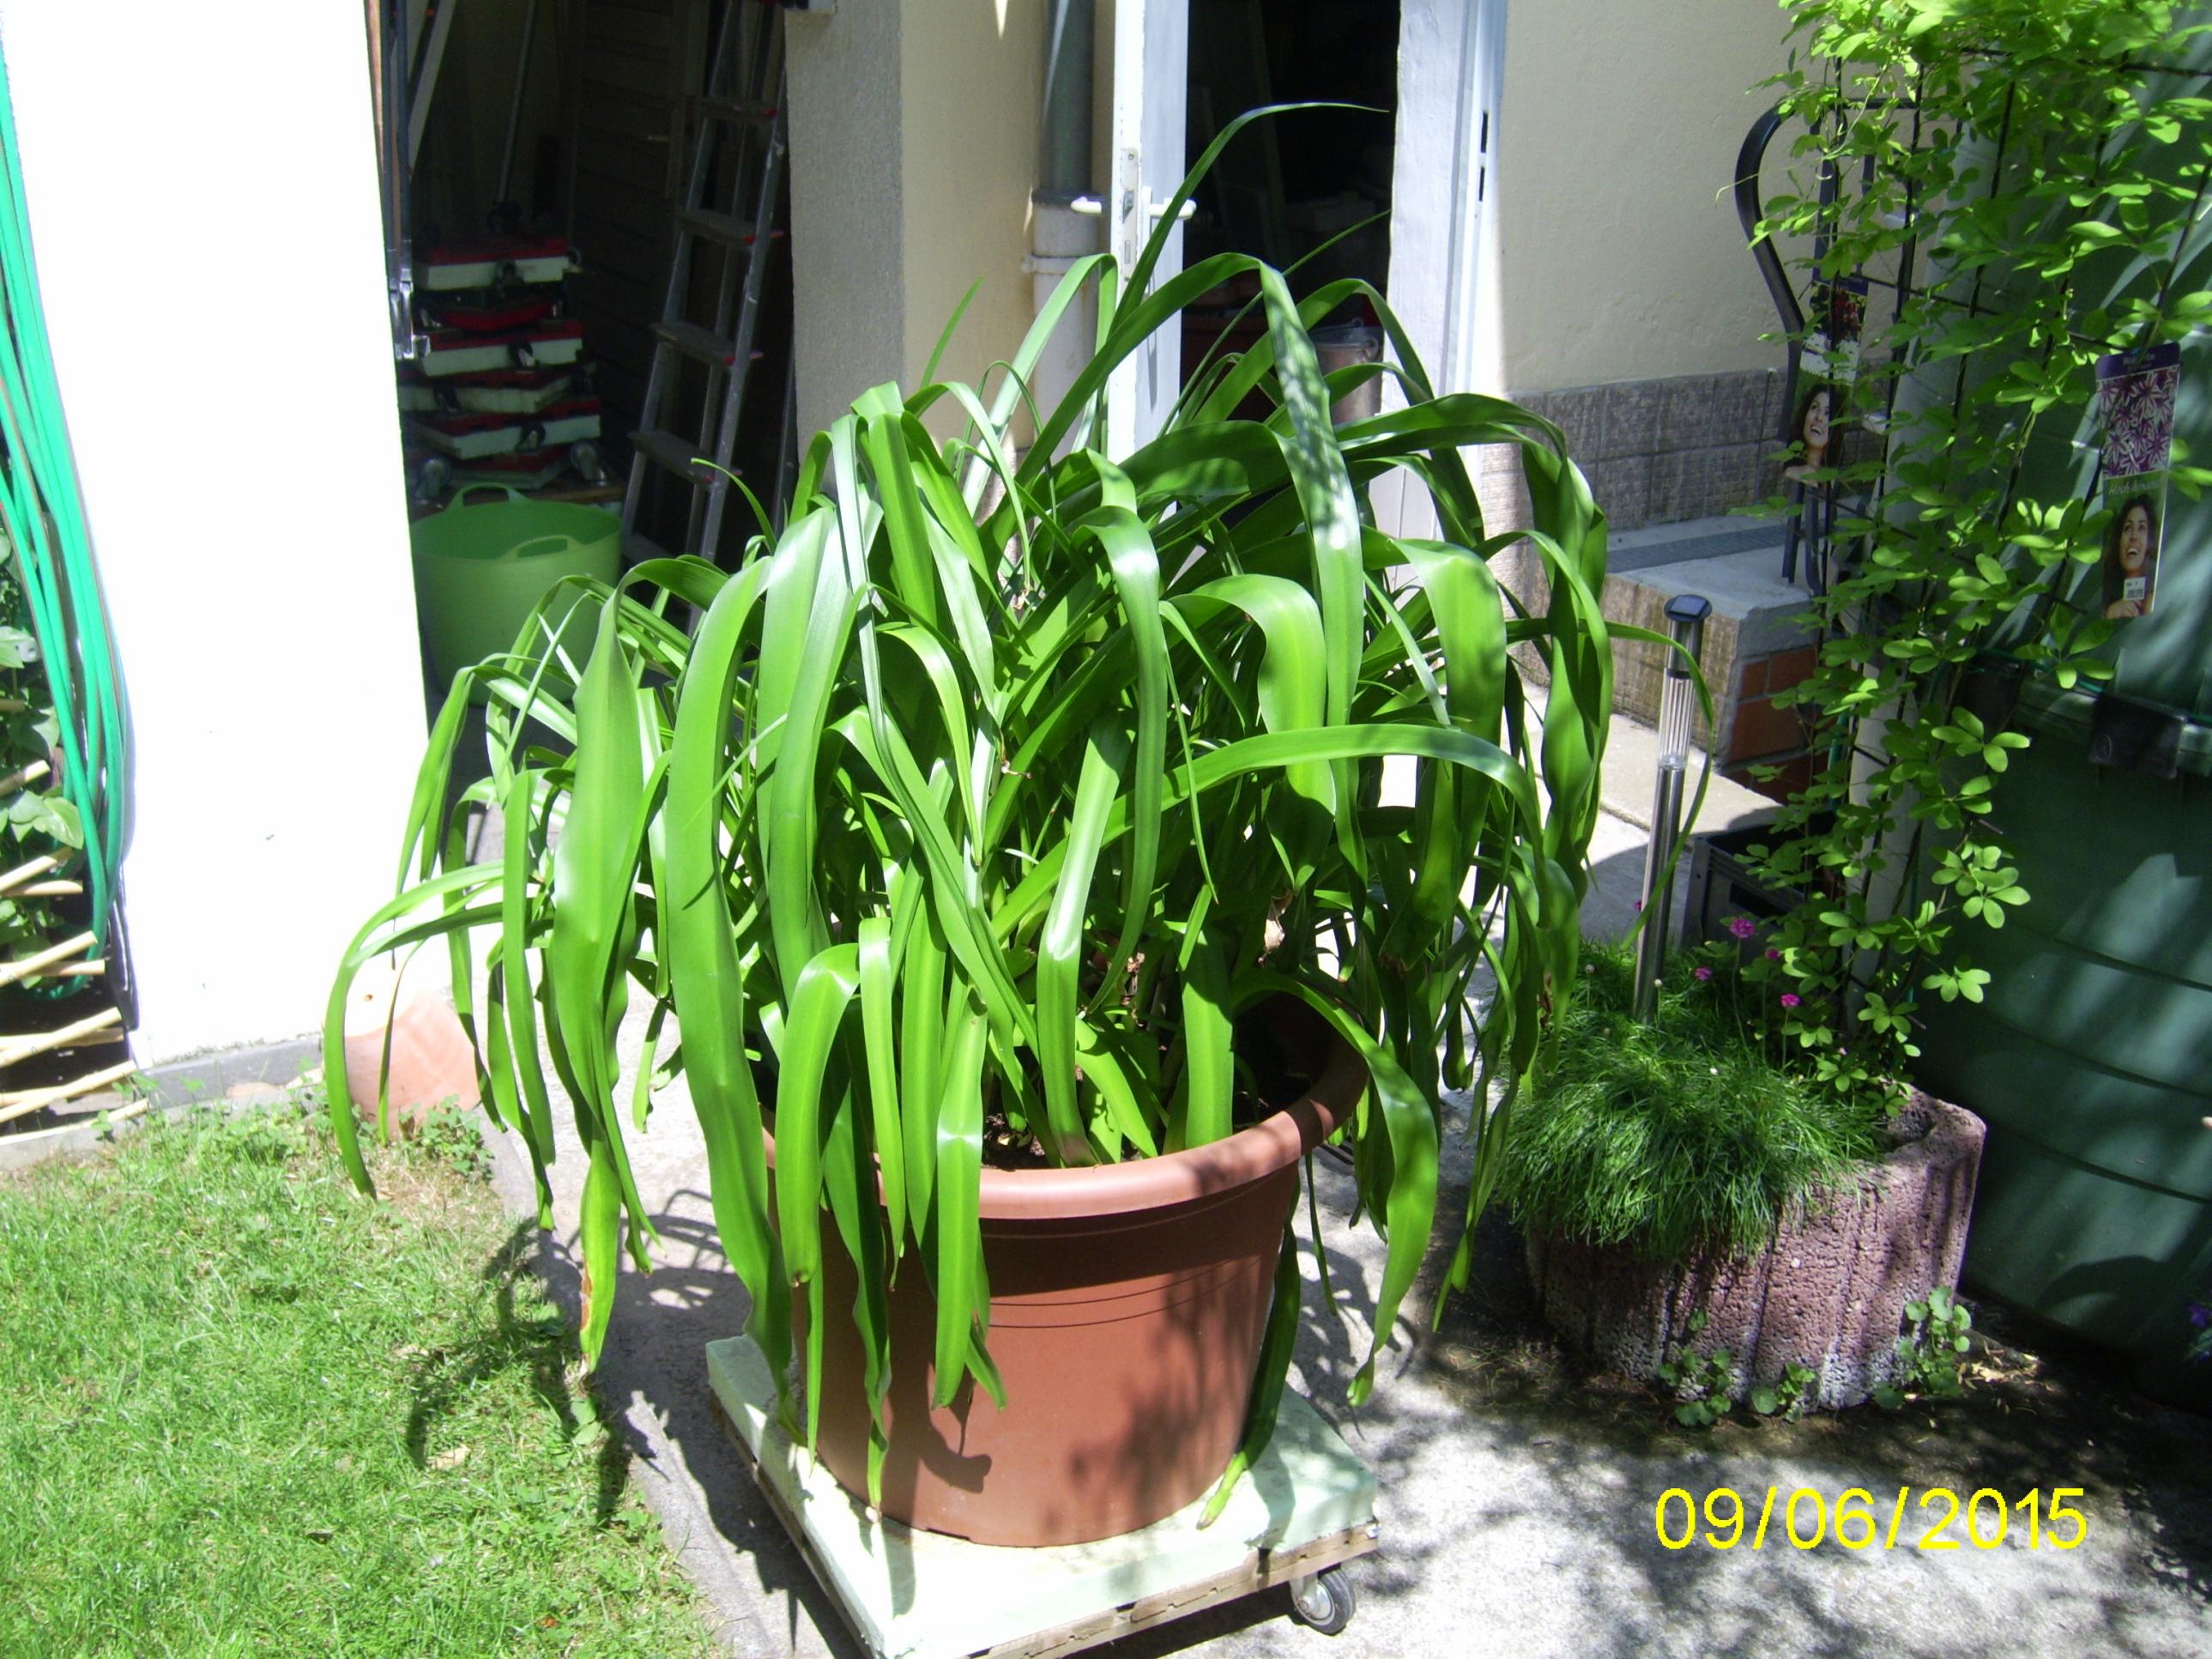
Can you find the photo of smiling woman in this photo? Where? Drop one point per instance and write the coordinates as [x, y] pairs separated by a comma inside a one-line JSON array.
[[2130, 563], [1810, 431]]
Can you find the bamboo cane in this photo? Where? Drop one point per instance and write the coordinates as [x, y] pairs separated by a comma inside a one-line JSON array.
[[50, 890], [23, 777], [15, 1049], [118, 1114], [22, 1105], [24, 967], [93, 1040], [23, 872]]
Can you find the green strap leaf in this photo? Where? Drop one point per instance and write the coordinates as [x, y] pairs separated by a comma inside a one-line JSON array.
[[964, 1296], [1407, 1196], [1059, 947]]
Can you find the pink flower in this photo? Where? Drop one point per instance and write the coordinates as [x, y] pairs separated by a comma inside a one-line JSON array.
[[1791, 998], [1701, 973], [1743, 926], [1773, 955], [1639, 904]]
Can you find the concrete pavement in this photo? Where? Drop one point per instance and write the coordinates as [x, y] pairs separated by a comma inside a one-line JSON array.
[[1518, 1488]]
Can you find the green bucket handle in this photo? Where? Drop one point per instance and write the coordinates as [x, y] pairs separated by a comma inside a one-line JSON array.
[[461, 495], [558, 543]]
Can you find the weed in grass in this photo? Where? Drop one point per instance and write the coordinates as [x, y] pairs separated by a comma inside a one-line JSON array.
[[243, 1410], [450, 1133]]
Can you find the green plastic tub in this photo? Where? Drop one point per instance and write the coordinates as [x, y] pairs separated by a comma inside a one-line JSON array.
[[480, 570]]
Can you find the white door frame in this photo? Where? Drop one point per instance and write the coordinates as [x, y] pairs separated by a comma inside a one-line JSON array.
[[1151, 73], [1443, 235]]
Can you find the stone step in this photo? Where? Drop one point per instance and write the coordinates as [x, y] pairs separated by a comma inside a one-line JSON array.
[[1755, 642]]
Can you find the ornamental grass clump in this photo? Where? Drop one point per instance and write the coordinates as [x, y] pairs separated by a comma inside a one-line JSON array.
[[996, 788], [1676, 1138]]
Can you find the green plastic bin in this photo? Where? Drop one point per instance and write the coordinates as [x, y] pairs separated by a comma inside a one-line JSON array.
[[480, 570]]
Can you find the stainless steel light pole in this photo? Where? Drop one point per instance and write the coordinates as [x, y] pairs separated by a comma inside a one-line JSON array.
[[1685, 621]]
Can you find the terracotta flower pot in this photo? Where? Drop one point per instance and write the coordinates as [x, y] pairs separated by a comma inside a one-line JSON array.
[[1128, 1305], [1828, 1291]]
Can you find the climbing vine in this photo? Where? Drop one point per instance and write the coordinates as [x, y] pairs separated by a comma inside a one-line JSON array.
[[2020, 188]]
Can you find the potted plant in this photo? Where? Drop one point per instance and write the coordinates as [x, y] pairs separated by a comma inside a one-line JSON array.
[[1024, 811], [2042, 223], [1700, 1210], [2012, 687]]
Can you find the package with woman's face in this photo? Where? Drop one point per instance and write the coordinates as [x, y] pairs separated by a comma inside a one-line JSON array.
[[2132, 537], [2136, 396]]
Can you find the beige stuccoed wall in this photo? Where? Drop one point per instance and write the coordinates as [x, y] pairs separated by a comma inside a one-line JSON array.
[[1622, 258], [974, 88], [846, 222], [265, 627], [914, 149]]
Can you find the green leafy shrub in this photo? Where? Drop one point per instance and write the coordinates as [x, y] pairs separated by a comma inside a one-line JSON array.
[[2045, 177], [1788, 1396], [1703, 1384], [1674, 1136]]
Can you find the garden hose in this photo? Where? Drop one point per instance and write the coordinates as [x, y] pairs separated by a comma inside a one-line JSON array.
[[43, 517]]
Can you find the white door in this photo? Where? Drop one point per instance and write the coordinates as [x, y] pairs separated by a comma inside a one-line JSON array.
[[1444, 210], [1152, 50]]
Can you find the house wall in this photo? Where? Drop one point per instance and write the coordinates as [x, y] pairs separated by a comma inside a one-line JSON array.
[[847, 207], [914, 148], [974, 99], [1623, 258], [242, 474], [1630, 313]]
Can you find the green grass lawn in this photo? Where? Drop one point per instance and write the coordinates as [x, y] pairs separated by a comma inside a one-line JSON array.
[[245, 1410]]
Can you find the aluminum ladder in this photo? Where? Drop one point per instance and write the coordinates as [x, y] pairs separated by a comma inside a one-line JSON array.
[[740, 124]]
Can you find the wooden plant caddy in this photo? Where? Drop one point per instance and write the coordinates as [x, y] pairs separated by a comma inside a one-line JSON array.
[[1306, 1507]]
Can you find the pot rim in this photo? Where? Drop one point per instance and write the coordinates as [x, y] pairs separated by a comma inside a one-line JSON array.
[[1276, 1143]]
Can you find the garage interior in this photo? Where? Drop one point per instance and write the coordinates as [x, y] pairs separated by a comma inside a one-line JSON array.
[[586, 217]]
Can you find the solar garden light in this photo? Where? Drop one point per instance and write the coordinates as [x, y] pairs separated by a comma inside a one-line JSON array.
[[1685, 622]]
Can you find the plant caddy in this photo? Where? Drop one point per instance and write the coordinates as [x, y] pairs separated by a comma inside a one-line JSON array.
[[1002, 858]]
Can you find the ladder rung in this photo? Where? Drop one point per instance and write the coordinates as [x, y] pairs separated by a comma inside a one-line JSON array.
[[726, 228], [673, 454], [702, 345], [735, 109]]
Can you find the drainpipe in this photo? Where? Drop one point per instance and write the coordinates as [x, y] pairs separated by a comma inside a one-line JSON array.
[[1064, 217]]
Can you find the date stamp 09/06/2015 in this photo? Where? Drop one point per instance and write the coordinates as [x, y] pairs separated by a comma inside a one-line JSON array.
[[1806, 1518]]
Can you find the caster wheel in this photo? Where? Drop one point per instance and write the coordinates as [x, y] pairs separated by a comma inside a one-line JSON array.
[[1324, 1601], [590, 466]]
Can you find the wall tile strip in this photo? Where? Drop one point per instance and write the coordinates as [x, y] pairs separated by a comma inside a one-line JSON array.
[[1689, 446]]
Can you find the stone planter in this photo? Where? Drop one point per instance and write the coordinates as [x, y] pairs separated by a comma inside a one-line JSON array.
[[1829, 1291]]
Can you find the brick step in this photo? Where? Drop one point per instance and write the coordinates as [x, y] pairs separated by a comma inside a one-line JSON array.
[[1755, 643]]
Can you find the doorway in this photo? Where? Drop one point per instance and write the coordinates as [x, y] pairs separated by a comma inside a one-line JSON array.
[[1308, 190], [537, 156]]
